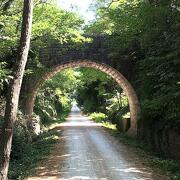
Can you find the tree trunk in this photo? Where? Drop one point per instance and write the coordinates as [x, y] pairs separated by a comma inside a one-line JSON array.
[[14, 90]]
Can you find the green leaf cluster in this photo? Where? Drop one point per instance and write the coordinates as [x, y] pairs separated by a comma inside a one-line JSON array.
[[148, 34]]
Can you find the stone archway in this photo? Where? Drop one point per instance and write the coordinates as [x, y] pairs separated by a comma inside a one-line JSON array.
[[116, 75]]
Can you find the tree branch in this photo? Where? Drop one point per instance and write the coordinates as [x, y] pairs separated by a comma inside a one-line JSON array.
[[5, 5]]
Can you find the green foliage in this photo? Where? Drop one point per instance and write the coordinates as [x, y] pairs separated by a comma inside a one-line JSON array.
[[55, 96], [148, 34], [98, 117], [4, 75], [97, 90], [52, 105], [100, 93], [25, 156], [160, 98], [54, 25], [94, 91], [51, 25]]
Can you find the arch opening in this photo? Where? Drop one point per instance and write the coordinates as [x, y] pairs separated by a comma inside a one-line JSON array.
[[113, 73]]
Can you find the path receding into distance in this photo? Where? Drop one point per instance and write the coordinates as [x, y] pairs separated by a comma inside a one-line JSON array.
[[86, 151]]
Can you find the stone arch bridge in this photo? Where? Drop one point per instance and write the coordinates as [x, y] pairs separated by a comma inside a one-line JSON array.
[[95, 54]]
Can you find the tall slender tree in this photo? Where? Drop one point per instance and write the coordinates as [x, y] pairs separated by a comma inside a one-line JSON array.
[[14, 90]]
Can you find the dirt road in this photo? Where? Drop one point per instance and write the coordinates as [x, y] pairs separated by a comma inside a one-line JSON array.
[[87, 152]]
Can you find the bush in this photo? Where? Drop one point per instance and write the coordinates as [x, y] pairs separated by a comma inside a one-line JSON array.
[[25, 156], [98, 117]]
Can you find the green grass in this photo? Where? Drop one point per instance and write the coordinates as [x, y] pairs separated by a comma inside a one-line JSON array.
[[142, 149]]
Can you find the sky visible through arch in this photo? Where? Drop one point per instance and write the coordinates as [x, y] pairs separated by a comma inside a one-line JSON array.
[[80, 6]]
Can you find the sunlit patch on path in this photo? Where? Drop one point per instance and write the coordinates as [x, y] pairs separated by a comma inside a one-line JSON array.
[[78, 121]]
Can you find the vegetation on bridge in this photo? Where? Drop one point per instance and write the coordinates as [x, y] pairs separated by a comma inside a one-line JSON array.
[[148, 33], [145, 32]]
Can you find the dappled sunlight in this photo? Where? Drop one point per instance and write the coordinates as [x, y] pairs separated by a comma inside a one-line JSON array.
[[84, 153], [91, 152], [113, 60], [75, 119], [133, 170]]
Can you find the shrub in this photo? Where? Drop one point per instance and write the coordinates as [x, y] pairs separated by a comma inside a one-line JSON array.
[[98, 117]]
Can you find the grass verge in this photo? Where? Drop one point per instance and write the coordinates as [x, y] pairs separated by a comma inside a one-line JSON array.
[[25, 161], [26, 156]]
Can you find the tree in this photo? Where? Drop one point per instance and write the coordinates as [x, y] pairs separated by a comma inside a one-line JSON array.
[[14, 89], [147, 33]]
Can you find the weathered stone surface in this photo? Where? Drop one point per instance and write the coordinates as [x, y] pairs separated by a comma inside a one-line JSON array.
[[116, 75], [97, 55]]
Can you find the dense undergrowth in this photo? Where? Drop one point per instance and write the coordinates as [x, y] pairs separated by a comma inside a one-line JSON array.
[[27, 155], [147, 33], [28, 148], [144, 34], [101, 97]]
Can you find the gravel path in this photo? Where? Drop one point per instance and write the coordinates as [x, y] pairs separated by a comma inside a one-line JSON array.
[[85, 151]]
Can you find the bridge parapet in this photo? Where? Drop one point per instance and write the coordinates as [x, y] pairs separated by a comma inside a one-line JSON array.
[[97, 50]]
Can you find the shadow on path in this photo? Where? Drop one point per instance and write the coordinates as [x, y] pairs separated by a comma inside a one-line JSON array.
[[85, 151]]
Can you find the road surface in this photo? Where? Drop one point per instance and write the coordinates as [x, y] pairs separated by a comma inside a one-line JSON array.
[[85, 151]]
